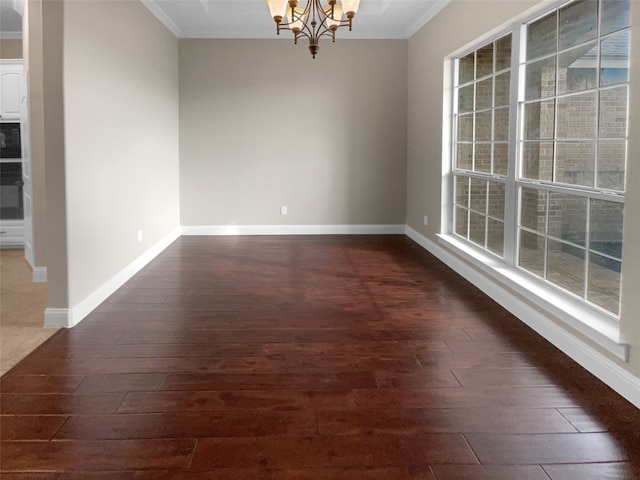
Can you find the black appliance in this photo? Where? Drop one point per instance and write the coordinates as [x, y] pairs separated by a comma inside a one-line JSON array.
[[11, 201], [10, 144]]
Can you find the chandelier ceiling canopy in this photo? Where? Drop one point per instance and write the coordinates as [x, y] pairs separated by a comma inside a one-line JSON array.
[[318, 18]]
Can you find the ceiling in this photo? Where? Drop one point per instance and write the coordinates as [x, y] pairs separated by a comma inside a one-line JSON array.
[[250, 18]]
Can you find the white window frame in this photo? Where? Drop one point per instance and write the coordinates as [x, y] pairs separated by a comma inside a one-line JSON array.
[[594, 322]]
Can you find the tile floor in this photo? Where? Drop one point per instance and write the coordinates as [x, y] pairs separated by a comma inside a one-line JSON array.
[[22, 306]]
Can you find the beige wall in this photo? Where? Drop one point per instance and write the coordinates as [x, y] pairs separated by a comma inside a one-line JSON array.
[[10, 48], [455, 27], [121, 138], [263, 125], [54, 155]]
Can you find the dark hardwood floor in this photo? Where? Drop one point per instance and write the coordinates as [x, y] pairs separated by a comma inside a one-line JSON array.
[[307, 358]]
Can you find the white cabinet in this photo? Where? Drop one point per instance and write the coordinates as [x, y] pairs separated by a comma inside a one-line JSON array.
[[11, 233], [10, 95]]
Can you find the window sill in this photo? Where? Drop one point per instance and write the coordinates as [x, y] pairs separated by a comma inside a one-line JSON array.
[[599, 327]]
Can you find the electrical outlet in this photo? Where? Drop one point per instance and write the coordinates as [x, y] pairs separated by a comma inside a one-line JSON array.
[[283, 210], [426, 220], [139, 236]]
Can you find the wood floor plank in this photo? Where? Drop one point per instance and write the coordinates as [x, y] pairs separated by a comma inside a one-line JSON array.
[[602, 419], [30, 427], [120, 382], [368, 349], [466, 397], [189, 425], [156, 351], [269, 381], [41, 383], [190, 337], [521, 377], [442, 420], [490, 472], [332, 451], [29, 476], [594, 471], [547, 448], [384, 473], [206, 401], [106, 455], [58, 404], [97, 476]]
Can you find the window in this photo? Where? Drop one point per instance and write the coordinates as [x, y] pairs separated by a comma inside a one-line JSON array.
[[540, 151], [481, 159]]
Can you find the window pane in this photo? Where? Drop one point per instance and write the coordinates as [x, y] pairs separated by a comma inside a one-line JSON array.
[[478, 197], [532, 253], [578, 23], [484, 61], [465, 128], [533, 209], [577, 69], [477, 228], [501, 158], [613, 113], [539, 120], [465, 99], [604, 282], [503, 53], [496, 200], [502, 89], [611, 164], [568, 217], [605, 227], [462, 222], [484, 94], [465, 156], [495, 236], [537, 158], [541, 37], [501, 127], [577, 116], [465, 68], [575, 162], [615, 15], [540, 79], [462, 191], [565, 266], [483, 125], [483, 158], [614, 59]]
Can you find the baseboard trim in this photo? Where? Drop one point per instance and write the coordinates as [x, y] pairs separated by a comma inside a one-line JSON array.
[[57, 317], [595, 362], [294, 230], [39, 274]]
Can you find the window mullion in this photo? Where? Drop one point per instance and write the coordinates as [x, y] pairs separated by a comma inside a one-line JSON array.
[[511, 204]]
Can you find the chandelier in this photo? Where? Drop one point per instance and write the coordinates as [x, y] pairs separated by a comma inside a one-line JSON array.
[[317, 19]]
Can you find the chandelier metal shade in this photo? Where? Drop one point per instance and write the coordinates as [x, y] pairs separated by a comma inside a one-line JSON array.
[[318, 18]]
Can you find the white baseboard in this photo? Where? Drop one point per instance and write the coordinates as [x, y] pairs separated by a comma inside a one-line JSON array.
[[294, 230], [595, 362], [60, 317], [39, 274], [57, 317]]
